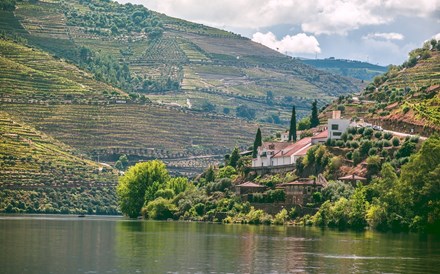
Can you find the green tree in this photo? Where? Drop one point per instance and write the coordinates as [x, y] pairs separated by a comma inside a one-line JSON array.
[[235, 156], [257, 143], [292, 129], [304, 123], [132, 187], [314, 120], [420, 184]]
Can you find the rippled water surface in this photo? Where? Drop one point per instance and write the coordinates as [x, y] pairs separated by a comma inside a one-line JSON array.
[[56, 244]]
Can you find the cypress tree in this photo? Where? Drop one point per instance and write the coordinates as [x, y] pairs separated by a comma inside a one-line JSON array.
[[235, 156], [292, 130], [314, 120], [257, 143]]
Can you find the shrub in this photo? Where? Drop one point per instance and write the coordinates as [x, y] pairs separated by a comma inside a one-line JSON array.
[[386, 143], [281, 217], [395, 142], [372, 151], [360, 130], [387, 135], [378, 134], [368, 132], [349, 155], [159, 209], [354, 144]]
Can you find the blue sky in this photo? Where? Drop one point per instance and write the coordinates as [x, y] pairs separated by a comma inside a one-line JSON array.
[[379, 31]]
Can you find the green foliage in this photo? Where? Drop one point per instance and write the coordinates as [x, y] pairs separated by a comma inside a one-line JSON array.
[[159, 209], [7, 5], [336, 190], [133, 187], [281, 217], [246, 112], [226, 172], [292, 129], [233, 159], [314, 120], [257, 143], [304, 123]]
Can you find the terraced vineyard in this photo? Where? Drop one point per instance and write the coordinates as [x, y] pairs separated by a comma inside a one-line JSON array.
[[166, 64], [35, 75], [33, 164]]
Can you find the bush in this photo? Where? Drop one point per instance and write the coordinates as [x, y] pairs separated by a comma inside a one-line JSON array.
[[395, 142], [386, 143], [349, 155], [159, 209], [387, 135], [372, 151], [368, 132], [281, 217], [354, 144], [378, 134]]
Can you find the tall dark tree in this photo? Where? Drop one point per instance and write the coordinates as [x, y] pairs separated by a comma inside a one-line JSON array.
[[258, 142], [314, 120], [235, 156], [292, 130]]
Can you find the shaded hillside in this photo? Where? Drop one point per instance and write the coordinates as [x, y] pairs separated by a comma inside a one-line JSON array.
[[39, 174], [162, 54], [349, 68]]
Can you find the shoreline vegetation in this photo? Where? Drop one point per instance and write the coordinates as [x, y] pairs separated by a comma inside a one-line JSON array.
[[391, 202]]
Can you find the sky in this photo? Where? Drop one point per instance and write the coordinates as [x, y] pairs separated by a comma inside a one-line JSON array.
[[377, 31]]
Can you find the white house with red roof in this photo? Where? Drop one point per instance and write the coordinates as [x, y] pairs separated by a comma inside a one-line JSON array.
[[272, 154]]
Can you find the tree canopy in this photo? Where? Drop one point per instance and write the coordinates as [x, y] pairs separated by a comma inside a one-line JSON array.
[[135, 187]]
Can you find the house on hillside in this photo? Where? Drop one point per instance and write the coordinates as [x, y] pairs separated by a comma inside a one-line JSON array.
[[337, 126], [272, 154], [320, 138], [249, 188], [300, 192]]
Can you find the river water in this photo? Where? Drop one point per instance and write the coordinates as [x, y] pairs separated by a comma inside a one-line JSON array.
[[68, 244]]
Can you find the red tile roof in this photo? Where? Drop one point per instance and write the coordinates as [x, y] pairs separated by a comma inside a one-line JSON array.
[[352, 177], [301, 182], [250, 184], [294, 148], [323, 134]]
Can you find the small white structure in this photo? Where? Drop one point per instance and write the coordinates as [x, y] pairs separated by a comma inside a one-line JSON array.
[[337, 126], [285, 136]]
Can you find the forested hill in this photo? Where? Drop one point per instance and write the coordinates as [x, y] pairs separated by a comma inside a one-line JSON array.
[[349, 68]]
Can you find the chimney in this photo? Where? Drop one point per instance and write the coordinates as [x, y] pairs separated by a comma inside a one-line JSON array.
[[336, 114]]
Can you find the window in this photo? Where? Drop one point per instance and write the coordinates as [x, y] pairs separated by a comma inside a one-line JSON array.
[[337, 133], [335, 127], [271, 146]]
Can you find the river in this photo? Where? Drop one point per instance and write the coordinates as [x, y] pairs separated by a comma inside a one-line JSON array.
[[68, 244]]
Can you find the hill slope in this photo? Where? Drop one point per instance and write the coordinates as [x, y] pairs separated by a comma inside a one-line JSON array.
[[349, 68], [406, 98], [163, 54], [42, 175]]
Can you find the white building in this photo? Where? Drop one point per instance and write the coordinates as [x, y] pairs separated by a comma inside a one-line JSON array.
[[281, 153], [337, 126]]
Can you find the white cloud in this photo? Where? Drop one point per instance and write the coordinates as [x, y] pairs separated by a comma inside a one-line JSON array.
[[297, 44], [317, 17], [437, 36], [384, 36]]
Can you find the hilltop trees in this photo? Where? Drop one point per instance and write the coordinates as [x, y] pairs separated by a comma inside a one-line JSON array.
[[292, 130], [314, 120], [258, 142]]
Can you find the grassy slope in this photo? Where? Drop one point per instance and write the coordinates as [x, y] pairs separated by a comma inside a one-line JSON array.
[[34, 164]]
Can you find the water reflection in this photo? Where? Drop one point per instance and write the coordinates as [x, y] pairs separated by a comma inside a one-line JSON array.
[[102, 245]]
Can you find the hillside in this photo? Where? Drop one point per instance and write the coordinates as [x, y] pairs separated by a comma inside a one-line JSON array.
[[175, 61], [406, 98], [349, 68], [101, 121], [42, 175]]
